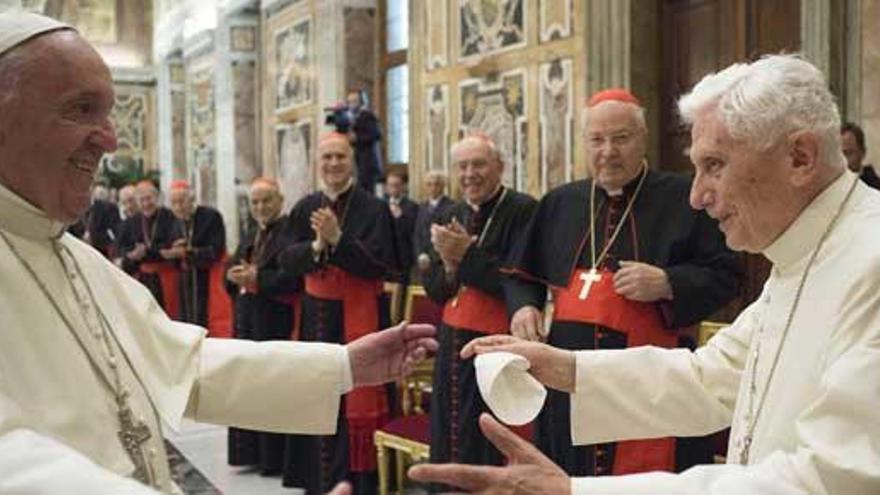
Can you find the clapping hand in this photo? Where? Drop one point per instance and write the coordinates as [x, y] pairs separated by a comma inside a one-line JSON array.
[[326, 226]]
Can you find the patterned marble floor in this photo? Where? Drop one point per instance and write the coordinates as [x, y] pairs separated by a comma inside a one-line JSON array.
[[204, 446]]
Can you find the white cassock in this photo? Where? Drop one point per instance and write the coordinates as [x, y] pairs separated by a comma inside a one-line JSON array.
[[819, 430], [59, 421]]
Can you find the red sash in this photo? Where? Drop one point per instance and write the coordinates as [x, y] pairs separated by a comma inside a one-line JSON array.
[[219, 303], [168, 280], [473, 309], [366, 408], [643, 325]]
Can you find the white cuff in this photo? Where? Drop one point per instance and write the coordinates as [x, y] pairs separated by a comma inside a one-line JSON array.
[[347, 383]]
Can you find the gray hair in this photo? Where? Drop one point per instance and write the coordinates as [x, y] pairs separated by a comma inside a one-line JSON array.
[[478, 137], [638, 112], [763, 102], [436, 174]]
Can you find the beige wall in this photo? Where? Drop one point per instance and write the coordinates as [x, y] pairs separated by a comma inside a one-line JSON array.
[[870, 87], [525, 93]]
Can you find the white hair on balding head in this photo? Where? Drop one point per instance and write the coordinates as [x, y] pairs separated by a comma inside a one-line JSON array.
[[765, 101], [638, 113], [436, 174], [478, 138]]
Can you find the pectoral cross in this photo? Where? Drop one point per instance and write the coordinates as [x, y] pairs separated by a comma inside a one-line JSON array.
[[588, 279], [133, 435]]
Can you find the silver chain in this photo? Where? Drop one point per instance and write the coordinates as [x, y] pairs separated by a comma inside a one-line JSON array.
[[133, 433], [752, 417]]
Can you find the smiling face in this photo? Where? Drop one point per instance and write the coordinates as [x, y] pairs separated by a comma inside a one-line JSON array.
[[265, 203], [56, 128], [751, 193], [182, 202], [479, 170], [615, 144], [334, 163]]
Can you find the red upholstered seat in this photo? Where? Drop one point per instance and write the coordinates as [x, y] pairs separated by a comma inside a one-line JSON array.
[[419, 308], [416, 427]]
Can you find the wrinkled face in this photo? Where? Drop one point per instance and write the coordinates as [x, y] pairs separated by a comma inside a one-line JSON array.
[[479, 170], [394, 186], [747, 191], [854, 155], [265, 202], [434, 186], [147, 199], [128, 201], [615, 144], [181, 202], [55, 130], [334, 163]]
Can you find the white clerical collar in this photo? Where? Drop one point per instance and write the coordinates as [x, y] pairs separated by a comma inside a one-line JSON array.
[[334, 195], [801, 237], [24, 219]]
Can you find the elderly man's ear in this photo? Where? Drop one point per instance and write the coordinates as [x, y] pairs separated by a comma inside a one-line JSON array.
[[806, 161]]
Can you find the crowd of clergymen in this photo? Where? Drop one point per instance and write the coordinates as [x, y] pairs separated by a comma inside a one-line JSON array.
[[489, 262]]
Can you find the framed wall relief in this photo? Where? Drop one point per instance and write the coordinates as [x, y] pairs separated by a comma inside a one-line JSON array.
[[557, 123], [294, 66], [490, 26], [200, 114], [437, 44], [243, 38], [556, 19], [437, 131], [244, 80], [293, 148], [132, 120], [497, 107]]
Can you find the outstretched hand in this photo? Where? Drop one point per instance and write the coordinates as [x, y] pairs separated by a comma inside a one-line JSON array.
[[390, 354], [528, 472], [550, 365]]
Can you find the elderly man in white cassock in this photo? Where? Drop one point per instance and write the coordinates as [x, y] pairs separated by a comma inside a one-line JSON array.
[[796, 375], [90, 366]]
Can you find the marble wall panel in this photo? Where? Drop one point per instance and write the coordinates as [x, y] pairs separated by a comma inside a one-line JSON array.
[[437, 131], [870, 114], [490, 26], [437, 23], [360, 48], [497, 107], [243, 38], [201, 126], [557, 123], [244, 80], [293, 144], [556, 19]]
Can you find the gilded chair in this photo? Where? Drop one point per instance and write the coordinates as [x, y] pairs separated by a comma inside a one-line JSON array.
[[409, 436]]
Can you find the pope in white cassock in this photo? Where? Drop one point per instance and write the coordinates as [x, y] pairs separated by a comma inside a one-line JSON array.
[[90, 366], [797, 375]]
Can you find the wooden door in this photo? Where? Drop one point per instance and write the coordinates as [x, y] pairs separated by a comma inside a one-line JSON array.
[[698, 37]]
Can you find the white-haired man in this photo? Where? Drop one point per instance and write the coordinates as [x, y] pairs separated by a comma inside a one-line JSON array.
[[436, 203], [90, 366], [795, 376], [198, 252], [471, 240], [628, 263]]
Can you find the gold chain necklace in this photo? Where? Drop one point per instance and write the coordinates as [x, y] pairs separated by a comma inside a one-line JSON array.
[[133, 433], [746, 442], [593, 275]]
